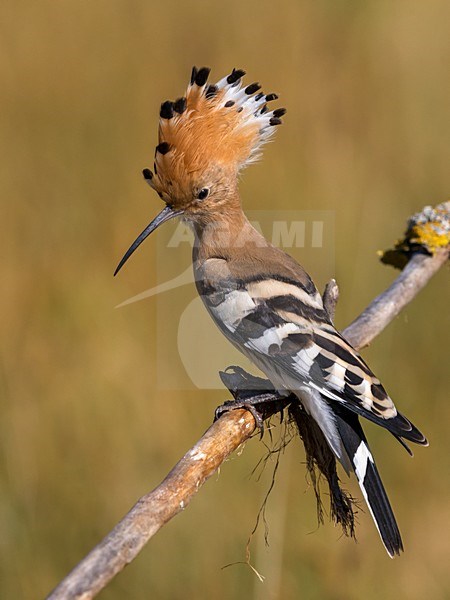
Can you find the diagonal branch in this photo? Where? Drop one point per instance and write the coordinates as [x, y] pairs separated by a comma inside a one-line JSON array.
[[233, 428], [154, 509]]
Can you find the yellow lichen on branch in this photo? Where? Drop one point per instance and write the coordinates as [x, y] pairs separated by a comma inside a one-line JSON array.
[[427, 231]]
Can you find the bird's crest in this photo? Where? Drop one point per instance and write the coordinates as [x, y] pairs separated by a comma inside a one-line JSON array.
[[222, 123]]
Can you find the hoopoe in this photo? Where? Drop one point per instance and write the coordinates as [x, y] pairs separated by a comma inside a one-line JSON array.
[[261, 299]]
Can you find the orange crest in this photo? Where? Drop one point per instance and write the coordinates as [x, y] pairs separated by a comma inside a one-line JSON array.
[[220, 124]]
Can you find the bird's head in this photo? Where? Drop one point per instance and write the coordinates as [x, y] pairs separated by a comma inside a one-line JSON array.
[[205, 139]]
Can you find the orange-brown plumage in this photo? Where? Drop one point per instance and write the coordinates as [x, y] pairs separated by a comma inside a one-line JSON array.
[[208, 136]]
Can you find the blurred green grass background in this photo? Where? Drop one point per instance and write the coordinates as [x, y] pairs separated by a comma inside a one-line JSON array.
[[84, 430]]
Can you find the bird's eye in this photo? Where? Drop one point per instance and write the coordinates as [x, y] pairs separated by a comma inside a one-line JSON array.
[[203, 193]]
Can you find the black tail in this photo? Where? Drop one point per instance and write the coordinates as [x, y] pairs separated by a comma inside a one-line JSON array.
[[369, 480]]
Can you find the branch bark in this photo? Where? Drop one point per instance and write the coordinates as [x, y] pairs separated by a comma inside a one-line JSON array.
[[154, 509], [233, 428]]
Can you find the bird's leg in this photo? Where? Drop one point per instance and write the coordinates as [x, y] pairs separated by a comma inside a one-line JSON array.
[[255, 394], [250, 403]]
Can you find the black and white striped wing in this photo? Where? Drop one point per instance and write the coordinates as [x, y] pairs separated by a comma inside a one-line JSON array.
[[284, 325]]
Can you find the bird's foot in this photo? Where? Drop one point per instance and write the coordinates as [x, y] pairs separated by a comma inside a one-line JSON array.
[[254, 394], [230, 405]]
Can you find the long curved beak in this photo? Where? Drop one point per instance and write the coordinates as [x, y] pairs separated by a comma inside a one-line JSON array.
[[165, 215]]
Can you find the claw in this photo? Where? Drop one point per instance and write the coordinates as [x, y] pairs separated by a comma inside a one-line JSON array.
[[230, 405]]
